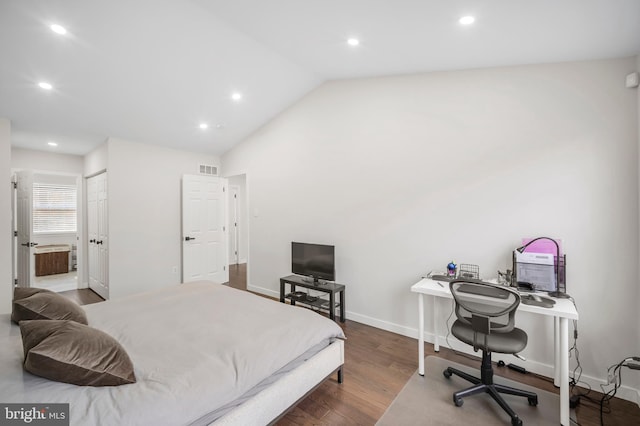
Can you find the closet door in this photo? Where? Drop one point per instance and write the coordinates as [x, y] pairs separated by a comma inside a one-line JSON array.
[[97, 232]]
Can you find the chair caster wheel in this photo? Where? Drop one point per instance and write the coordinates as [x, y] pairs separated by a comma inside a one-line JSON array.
[[516, 421], [533, 401], [458, 401], [447, 373]]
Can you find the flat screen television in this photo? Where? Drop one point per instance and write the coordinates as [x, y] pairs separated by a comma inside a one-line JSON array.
[[313, 260]]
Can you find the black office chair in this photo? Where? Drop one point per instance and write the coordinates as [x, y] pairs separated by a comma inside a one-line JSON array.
[[486, 321]]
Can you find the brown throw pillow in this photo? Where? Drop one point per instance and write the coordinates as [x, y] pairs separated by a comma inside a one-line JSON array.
[[39, 303], [69, 352]]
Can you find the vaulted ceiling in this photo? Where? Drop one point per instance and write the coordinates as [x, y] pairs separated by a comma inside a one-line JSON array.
[[153, 71]]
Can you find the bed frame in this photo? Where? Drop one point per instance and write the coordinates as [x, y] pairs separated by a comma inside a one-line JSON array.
[[268, 406]]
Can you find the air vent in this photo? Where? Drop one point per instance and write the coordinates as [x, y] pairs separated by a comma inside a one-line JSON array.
[[206, 169]]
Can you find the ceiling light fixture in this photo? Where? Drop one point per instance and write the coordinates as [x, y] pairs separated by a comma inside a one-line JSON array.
[[52, 143], [467, 20], [44, 85], [353, 42], [236, 96], [204, 126], [58, 29]]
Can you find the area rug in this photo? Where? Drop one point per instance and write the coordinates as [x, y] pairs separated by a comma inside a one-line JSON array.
[[427, 401]]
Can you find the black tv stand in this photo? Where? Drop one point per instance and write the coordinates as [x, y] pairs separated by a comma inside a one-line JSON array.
[[322, 286]]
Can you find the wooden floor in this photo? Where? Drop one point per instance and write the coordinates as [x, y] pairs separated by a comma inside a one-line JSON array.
[[84, 296], [379, 363]]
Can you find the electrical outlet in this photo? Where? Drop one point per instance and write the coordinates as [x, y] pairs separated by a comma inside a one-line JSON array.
[[174, 270], [611, 378]]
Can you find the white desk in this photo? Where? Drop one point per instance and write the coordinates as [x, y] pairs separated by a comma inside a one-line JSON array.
[[563, 311]]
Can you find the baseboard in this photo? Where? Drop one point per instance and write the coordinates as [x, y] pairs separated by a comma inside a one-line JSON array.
[[265, 291], [624, 392]]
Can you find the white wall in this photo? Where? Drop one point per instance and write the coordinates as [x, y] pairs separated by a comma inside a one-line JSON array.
[[6, 285], [27, 159], [404, 174], [96, 161], [144, 192]]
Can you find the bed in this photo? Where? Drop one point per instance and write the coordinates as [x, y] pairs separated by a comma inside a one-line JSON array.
[[203, 353]]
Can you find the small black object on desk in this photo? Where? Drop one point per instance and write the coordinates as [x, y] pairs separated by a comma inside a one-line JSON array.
[[326, 287]]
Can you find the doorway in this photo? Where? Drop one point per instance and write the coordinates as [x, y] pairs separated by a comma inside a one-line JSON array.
[[238, 232], [47, 224]]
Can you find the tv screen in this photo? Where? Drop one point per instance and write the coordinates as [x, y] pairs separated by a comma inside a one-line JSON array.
[[313, 260]]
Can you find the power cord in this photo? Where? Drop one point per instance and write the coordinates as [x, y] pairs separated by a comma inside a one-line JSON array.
[[577, 371], [614, 376]]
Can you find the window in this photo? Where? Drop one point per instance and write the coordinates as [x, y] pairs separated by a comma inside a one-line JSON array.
[[54, 208]]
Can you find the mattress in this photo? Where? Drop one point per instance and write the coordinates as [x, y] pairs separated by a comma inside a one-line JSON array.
[[197, 349]]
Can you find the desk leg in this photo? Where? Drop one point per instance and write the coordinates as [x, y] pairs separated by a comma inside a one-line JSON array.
[[281, 291], [564, 372], [557, 353], [434, 321], [342, 314], [420, 334]]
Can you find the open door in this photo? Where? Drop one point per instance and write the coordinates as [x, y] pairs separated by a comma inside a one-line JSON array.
[[234, 234], [204, 234], [24, 225], [98, 235]]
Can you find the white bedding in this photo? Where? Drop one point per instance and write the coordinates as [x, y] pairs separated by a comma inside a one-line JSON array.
[[195, 347]]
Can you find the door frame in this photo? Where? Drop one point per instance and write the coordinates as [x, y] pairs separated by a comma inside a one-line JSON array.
[[80, 229], [245, 234]]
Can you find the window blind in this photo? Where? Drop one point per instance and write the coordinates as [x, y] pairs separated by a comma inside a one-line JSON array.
[[54, 208]]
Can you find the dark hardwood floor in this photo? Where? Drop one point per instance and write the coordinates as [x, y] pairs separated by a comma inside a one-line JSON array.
[[238, 276], [83, 296], [379, 363]]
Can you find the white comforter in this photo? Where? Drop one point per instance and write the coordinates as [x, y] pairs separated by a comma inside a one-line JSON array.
[[194, 347]]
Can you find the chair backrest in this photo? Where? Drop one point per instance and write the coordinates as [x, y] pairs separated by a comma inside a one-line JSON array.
[[487, 308]]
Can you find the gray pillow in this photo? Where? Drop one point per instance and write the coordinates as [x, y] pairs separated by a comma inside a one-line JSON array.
[[39, 303], [69, 352]]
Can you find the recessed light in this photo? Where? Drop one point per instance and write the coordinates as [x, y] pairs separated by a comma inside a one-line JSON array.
[[52, 143], [353, 42], [58, 29], [204, 126], [44, 85], [467, 20], [236, 96]]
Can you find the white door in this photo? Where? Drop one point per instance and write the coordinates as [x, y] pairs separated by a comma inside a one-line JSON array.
[[204, 236], [234, 232], [97, 234], [24, 222], [14, 231]]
